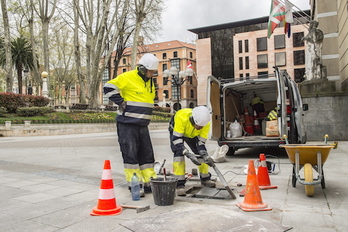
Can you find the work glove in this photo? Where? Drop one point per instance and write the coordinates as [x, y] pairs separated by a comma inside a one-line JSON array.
[[122, 106], [207, 159], [191, 156]]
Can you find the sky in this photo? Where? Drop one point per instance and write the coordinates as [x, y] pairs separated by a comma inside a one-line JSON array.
[[180, 15]]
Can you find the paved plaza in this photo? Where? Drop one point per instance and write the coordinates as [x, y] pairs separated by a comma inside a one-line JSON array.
[[51, 183]]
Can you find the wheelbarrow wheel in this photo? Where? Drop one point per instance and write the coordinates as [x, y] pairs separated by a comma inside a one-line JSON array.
[[293, 177], [308, 174]]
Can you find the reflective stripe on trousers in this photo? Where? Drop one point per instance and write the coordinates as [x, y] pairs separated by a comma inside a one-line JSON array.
[[137, 152]]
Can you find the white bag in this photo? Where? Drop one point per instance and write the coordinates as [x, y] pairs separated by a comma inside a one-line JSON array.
[[236, 129], [219, 155]]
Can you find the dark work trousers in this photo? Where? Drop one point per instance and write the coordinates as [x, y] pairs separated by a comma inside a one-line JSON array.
[[137, 150]]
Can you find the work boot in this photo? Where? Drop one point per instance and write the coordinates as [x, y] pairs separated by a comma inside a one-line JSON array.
[[208, 183], [180, 191], [147, 189]]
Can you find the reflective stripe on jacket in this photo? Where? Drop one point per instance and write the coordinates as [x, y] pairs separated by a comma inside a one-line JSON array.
[[184, 128], [138, 95], [272, 115], [256, 100]]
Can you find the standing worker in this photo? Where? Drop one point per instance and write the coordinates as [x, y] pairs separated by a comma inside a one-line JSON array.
[[257, 104], [191, 126], [134, 93]]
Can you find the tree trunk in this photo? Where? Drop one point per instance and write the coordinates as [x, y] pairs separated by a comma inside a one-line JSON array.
[[7, 45]]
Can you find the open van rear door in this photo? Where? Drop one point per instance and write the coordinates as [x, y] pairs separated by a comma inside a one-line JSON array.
[[301, 133], [281, 103], [213, 103]]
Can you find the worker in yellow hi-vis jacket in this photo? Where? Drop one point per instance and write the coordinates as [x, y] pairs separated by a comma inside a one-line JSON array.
[[134, 93], [192, 127]]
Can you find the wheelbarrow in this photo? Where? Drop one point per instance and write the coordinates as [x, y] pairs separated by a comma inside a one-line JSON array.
[[308, 157]]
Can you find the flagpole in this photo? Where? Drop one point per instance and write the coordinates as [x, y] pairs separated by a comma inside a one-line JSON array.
[[299, 12]]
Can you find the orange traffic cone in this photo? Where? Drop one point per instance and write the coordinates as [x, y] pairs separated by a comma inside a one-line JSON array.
[[257, 127], [252, 199], [247, 117], [107, 201], [262, 174]]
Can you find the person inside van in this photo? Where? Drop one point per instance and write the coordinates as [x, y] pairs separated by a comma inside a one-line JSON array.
[[257, 104], [273, 114]]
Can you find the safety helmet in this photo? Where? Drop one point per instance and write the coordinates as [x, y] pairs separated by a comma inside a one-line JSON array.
[[149, 61], [201, 115]]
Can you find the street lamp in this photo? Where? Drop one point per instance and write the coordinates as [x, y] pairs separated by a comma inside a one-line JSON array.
[[44, 76], [26, 74], [177, 79]]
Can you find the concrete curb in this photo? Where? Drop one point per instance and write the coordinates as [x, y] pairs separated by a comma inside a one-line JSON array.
[[21, 130]]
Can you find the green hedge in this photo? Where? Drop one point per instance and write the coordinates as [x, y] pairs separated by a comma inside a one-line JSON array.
[[33, 111], [11, 101]]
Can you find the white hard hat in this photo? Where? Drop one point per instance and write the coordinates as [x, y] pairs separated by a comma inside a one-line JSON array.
[[201, 115], [149, 61]]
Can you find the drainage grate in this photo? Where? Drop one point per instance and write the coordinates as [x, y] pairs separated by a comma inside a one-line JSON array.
[[208, 193]]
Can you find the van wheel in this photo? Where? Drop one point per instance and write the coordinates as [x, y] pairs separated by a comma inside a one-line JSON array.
[[231, 151]]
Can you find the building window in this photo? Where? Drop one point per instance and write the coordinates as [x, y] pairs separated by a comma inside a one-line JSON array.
[[175, 63], [192, 93], [175, 92], [240, 63], [164, 80], [105, 78], [280, 59], [166, 93], [279, 41], [175, 54], [262, 61], [246, 45], [262, 44], [299, 57], [124, 70], [164, 56], [297, 39], [124, 61], [247, 76], [164, 67], [240, 46], [191, 55], [247, 62], [262, 74], [299, 74]]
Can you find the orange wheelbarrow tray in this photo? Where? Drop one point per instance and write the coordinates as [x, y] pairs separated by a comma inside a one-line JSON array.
[[308, 156]]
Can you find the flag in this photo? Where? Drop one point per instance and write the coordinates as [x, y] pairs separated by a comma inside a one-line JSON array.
[[277, 15], [189, 65], [288, 18]]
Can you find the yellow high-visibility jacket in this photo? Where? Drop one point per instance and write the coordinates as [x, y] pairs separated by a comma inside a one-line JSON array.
[[184, 128], [138, 95]]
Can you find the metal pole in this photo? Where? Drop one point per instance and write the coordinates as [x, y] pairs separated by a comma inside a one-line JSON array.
[[178, 97]]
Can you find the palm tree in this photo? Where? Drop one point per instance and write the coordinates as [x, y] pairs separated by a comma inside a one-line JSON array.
[[22, 57]]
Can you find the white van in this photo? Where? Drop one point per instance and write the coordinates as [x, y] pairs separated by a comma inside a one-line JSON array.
[[230, 101]]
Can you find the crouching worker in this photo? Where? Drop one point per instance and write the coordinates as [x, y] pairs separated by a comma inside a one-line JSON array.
[[192, 127]]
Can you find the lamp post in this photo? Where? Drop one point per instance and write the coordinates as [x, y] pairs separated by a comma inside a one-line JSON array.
[[177, 79], [26, 74], [44, 76]]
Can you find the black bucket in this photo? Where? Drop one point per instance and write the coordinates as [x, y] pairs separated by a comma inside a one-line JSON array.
[[163, 191]]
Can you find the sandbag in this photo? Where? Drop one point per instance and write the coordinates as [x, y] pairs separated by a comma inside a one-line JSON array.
[[236, 129]]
